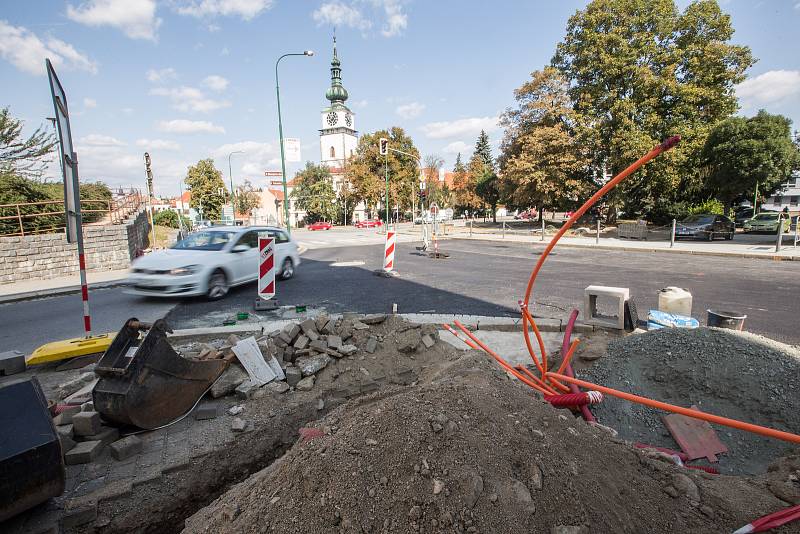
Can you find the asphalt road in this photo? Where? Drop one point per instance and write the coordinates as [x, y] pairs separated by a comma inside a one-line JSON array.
[[480, 277]]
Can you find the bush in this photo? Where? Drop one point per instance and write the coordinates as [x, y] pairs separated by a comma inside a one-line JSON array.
[[169, 218], [709, 206]]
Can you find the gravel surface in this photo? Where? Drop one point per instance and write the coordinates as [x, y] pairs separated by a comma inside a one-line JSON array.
[[733, 374]]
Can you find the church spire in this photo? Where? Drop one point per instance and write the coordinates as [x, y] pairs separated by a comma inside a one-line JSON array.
[[336, 93]]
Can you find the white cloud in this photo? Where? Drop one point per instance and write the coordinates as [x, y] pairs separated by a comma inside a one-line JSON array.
[[161, 75], [770, 87], [26, 51], [360, 103], [190, 99], [339, 14], [389, 13], [127, 111], [245, 9], [410, 111], [257, 156], [98, 140], [135, 18], [157, 144], [457, 147], [183, 126], [460, 127], [213, 28], [216, 83], [89, 103]]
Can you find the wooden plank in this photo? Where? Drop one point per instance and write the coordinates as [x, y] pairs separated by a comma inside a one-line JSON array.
[[696, 438]]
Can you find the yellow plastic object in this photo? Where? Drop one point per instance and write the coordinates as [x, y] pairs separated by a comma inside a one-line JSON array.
[[70, 348]]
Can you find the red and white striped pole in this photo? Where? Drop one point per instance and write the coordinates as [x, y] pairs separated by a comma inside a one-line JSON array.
[[87, 319], [388, 252]]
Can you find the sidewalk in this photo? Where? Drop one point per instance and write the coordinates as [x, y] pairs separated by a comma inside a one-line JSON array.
[[716, 248], [57, 286]]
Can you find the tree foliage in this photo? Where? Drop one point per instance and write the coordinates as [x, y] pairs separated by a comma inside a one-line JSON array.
[[639, 71], [741, 152], [207, 187], [464, 185], [246, 198], [313, 193], [365, 171], [543, 162], [482, 175], [19, 156], [171, 219]]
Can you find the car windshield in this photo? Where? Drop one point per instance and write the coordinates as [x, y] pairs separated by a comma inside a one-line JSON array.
[[766, 216], [205, 240], [699, 219]]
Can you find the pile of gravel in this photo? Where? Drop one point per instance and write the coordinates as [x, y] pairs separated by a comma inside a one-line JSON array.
[[733, 374], [471, 451]]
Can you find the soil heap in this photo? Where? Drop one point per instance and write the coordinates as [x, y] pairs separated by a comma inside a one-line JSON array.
[[468, 450]]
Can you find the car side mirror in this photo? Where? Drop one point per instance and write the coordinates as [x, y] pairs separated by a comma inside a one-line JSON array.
[[240, 248]]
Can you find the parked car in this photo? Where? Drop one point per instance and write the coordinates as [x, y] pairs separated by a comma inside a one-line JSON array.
[[320, 225], [767, 221], [741, 215], [369, 223], [209, 262], [527, 214], [705, 226]]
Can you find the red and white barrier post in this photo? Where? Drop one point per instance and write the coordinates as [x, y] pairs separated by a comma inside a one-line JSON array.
[[266, 273], [388, 252], [87, 319]]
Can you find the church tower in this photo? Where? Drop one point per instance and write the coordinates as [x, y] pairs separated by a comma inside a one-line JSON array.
[[338, 137]]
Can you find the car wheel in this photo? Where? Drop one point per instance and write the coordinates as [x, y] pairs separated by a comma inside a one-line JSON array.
[[217, 285], [287, 270]]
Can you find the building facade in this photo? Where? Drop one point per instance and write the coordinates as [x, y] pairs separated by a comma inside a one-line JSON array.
[[788, 196]]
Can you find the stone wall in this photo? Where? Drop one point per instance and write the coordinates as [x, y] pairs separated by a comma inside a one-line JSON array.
[[107, 248]]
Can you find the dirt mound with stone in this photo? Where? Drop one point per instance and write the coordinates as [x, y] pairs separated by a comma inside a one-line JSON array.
[[733, 374], [468, 450]]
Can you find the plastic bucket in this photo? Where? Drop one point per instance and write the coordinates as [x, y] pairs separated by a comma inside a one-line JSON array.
[[726, 319]]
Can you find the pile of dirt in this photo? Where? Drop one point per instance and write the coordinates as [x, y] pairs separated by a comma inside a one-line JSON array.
[[733, 374], [468, 450]]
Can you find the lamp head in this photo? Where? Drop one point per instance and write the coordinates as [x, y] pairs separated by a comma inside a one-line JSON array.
[[308, 53]]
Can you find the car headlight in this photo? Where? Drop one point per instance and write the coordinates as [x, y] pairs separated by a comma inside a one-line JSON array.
[[183, 271]]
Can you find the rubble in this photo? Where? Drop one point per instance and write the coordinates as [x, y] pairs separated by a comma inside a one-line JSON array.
[[229, 381]]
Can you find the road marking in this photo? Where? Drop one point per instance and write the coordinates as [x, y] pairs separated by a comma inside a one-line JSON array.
[[354, 263]]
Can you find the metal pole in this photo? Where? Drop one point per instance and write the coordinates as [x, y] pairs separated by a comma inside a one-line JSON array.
[[386, 174], [597, 235], [755, 199], [796, 227], [504, 229], [779, 233], [470, 227], [283, 158], [542, 228], [672, 234]]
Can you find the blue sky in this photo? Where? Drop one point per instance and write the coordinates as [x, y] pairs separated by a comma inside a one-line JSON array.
[[188, 79]]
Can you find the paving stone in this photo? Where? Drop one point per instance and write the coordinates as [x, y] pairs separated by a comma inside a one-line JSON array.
[[311, 365], [67, 443], [228, 382], [305, 384], [293, 376], [83, 452], [330, 327], [334, 342], [106, 435], [321, 321], [11, 363], [238, 425], [65, 430], [348, 350], [289, 354], [206, 411], [309, 325], [409, 340], [301, 342], [246, 389], [346, 329], [65, 417], [319, 345], [277, 387], [428, 341], [87, 407], [372, 344], [86, 423], [375, 318], [75, 516], [358, 325], [125, 448]]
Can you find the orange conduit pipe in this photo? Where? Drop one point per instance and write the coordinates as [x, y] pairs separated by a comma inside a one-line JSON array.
[[711, 418], [663, 147], [469, 343], [536, 379]]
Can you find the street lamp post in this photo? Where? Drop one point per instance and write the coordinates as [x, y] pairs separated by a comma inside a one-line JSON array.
[[280, 137], [230, 176]]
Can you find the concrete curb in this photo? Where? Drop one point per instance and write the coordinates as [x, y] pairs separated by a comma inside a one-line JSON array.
[[765, 256], [54, 291]]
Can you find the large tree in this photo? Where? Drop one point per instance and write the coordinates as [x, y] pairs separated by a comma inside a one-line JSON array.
[[313, 192], [542, 162], [366, 170], [207, 187], [20, 156], [466, 199], [246, 198], [483, 177], [641, 70], [744, 153]]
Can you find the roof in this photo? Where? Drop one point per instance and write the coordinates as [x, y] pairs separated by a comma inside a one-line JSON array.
[[449, 178], [277, 193], [186, 197]]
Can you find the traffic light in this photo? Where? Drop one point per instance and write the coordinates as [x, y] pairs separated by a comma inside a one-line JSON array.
[[383, 146]]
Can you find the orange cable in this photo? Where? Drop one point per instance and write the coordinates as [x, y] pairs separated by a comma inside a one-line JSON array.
[[536, 379], [568, 356]]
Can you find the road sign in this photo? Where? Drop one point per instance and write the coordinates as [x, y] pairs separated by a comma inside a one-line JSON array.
[[291, 148], [434, 210], [266, 266], [388, 253], [273, 173]]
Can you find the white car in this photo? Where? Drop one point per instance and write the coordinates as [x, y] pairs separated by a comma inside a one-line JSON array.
[[210, 262]]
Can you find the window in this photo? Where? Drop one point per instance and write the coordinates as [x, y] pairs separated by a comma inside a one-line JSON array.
[[280, 237], [250, 239], [333, 152]]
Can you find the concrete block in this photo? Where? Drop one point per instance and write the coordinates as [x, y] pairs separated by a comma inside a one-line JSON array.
[[619, 295], [347, 350], [86, 423], [428, 341], [301, 342], [65, 417], [334, 342], [67, 443], [83, 452], [230, 379], [319, 345], [305, 384], [106, 435], [126, 448], [11, 363], [321, 321], [238, 425], [87, 407], [206, 411], [293, 375], [246, 389], [309, 325], [372, 344]]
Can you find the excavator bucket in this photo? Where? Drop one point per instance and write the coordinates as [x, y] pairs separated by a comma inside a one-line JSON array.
[[142, 380]]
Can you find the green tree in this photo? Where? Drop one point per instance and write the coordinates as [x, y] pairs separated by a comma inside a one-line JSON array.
[[464, 186], [365, 171], [741, 152], [482, 175], [314, 193], [639, 71], [246, 198], [207, 187], [19, 156], [171, 219], [542, 162]]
